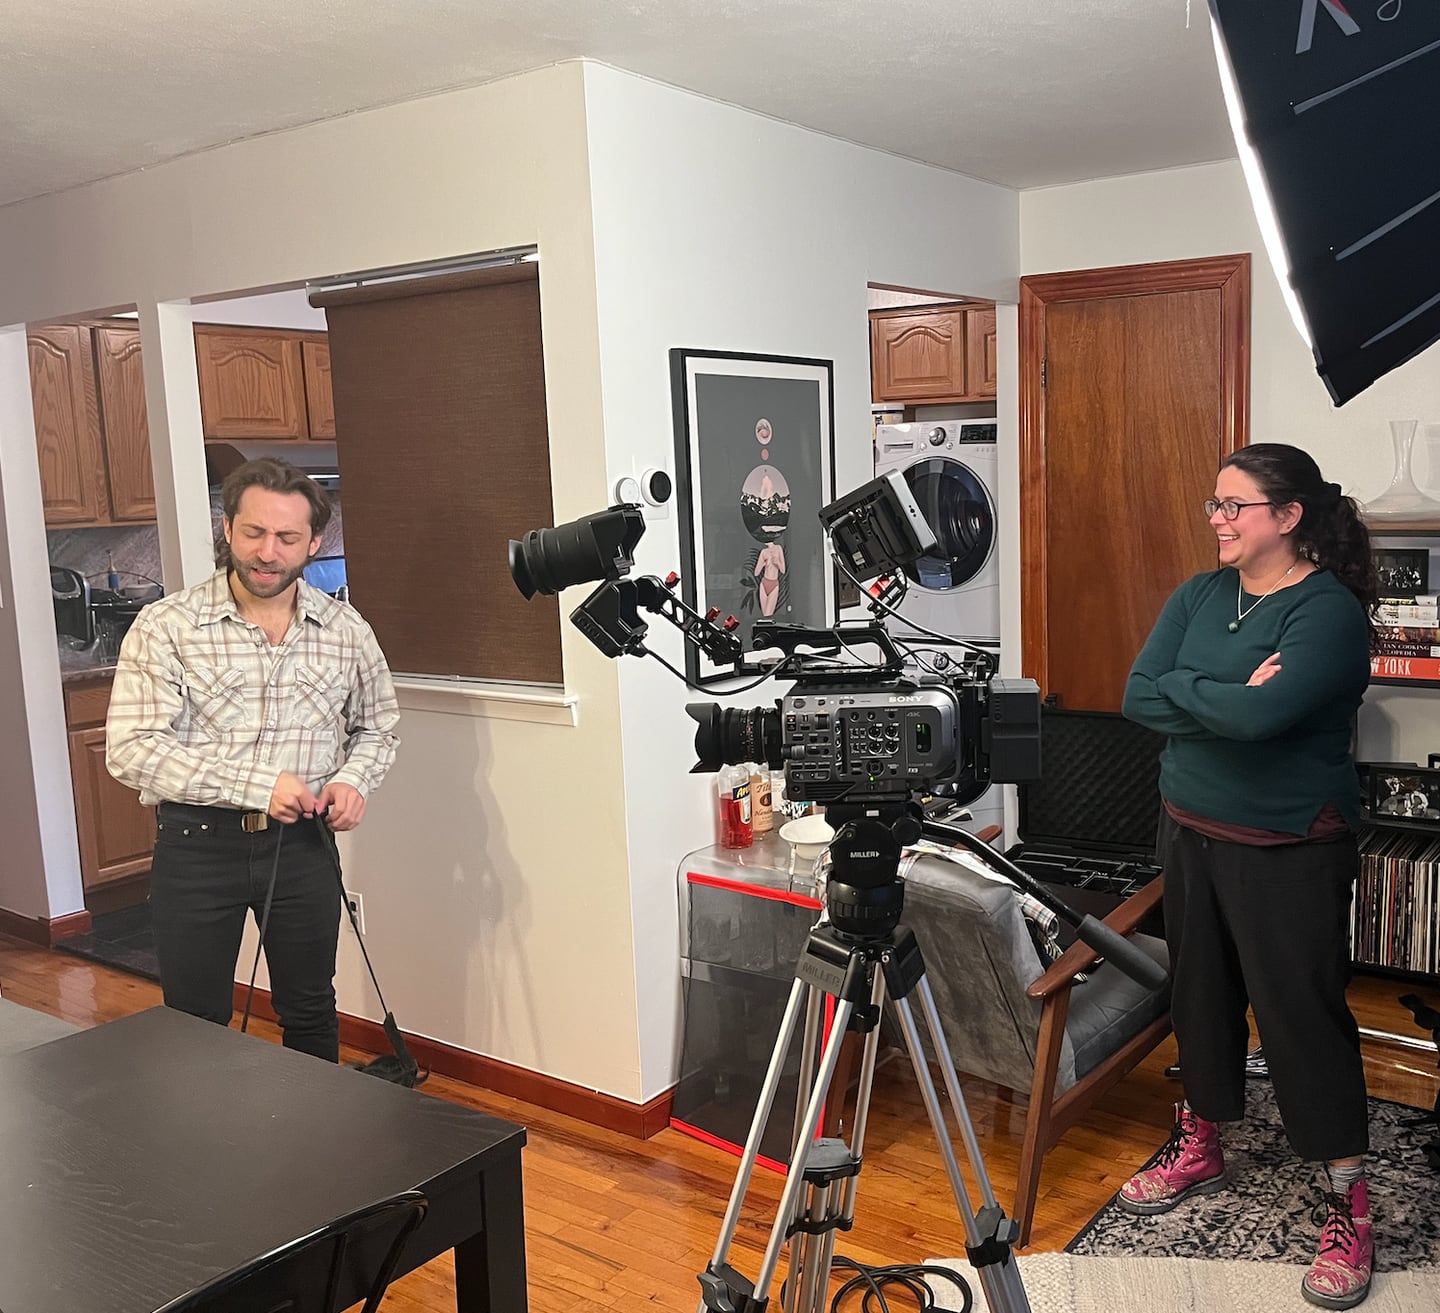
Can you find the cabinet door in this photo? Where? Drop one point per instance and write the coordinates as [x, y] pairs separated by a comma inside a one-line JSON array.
[[117, 834], [319, 399], [918, 355], [252, 383], [980, 353], [67, 426], [124, 423]]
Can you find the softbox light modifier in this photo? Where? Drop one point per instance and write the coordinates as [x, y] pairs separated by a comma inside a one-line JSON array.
[[1340, 101]]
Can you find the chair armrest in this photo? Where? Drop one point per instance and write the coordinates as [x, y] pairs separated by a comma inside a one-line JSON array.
[[1081, 957], [989, 832]]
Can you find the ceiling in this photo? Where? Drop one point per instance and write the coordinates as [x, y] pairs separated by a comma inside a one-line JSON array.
[[1027, 93]]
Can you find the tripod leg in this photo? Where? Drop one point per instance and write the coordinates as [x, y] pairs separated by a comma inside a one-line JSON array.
[[988, 1248], [757, 1128], [795, 1176], [831, 1204]]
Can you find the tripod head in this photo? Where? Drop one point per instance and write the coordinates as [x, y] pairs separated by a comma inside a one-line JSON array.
[[864, 896]]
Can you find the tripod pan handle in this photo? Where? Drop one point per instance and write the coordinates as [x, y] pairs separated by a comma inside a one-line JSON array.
[[1116, 948]]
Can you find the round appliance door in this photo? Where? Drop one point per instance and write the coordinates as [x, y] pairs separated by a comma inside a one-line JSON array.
[[958, 507]]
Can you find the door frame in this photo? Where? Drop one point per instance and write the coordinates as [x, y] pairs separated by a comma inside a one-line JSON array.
[[1227, 274]]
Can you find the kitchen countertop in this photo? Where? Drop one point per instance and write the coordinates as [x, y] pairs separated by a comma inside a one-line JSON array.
[[76, 666], [79, 674]]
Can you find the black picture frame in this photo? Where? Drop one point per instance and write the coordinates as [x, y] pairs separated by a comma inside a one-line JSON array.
[[1400, 792], [754, 463]]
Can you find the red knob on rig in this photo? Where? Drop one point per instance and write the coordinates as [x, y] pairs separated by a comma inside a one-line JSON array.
[[671, 579], [712, 614], [731, 624]]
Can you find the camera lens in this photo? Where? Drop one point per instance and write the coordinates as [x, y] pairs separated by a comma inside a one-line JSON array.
[[727, 736], [593, 547]]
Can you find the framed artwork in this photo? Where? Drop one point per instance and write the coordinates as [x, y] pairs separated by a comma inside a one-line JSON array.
[[754, 463]]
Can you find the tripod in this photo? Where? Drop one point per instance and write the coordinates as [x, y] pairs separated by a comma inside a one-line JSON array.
[[861, 957]]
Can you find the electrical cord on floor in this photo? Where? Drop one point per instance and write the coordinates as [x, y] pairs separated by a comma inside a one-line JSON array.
[[910, 1277]]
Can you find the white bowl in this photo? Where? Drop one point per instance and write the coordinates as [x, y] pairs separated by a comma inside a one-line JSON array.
[[808, 836]]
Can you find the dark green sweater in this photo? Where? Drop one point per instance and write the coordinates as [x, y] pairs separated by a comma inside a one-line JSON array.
[[1269, 757]]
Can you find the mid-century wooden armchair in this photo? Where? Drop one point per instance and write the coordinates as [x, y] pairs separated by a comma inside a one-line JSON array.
[[1033, 1030]]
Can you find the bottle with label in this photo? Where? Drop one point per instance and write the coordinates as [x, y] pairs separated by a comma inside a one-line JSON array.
[[762, 813], [732, 785]]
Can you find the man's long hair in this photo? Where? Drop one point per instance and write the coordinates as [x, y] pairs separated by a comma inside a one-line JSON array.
[[274, 476]]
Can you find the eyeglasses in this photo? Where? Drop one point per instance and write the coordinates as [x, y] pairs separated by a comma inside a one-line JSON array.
[[1231, 508]]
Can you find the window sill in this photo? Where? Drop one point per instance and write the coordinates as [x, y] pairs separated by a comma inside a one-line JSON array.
[[495, 701]]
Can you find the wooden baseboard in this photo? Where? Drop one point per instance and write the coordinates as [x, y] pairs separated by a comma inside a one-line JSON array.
[[43, 930], [634, 1119]]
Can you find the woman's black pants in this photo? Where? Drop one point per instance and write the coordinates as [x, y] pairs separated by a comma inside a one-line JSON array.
[[1268, 928], [207, 874]]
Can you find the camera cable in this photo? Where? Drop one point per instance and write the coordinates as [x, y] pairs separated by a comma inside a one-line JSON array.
[[913, 1278], [400, 1066]]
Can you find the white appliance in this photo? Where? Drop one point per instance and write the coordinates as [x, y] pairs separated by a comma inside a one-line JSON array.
[[950, 466]]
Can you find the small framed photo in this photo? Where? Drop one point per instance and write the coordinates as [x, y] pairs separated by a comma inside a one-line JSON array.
[[1403, 572], [1404, 793]]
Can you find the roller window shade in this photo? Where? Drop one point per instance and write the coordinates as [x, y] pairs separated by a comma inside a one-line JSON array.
[[444, 456]]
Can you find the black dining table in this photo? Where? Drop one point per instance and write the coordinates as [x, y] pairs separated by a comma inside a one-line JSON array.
[[144, 1157]]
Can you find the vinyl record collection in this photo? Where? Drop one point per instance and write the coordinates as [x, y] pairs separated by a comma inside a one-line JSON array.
[[1395, 918]]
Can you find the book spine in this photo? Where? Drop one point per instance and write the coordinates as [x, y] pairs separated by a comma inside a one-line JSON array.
[[1396, 667], [1394, 647], [1391, 613]]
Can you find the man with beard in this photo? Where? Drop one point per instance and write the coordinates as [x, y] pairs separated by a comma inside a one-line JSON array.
[[252, 709]]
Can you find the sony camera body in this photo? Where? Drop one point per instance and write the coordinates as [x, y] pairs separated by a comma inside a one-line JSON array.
[[883, 741]]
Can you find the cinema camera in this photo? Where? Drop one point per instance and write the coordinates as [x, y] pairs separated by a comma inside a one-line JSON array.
[[852, 737], [866, 739]]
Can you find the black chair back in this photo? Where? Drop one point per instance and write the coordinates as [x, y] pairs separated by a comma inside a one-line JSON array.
[[323, 1272]]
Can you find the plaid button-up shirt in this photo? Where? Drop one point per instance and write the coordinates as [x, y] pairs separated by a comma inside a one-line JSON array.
[[205, 711]]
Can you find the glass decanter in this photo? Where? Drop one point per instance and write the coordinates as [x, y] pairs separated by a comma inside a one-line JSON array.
[[1402, 500]]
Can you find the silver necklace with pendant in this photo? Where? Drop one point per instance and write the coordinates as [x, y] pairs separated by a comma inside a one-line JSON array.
[[1234, 625]]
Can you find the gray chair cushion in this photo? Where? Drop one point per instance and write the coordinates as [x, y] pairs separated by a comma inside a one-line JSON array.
[[980, 959], [1109, 1008], [24, 1028]]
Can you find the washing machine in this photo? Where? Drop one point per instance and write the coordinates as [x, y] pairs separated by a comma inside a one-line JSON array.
[[950, 466]]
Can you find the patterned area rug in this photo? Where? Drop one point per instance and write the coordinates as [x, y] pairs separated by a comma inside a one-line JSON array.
[[1269, 1211], [1065, 1283]]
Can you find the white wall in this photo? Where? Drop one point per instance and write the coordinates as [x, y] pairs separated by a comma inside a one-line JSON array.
[[1184, 213], [493, 862], [40, 869], [720, 229]]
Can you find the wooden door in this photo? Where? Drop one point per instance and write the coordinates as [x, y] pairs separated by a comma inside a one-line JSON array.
[[126, 428], [980, 353], [918, 355], [67, 425], [117, 834], [319, 397], [252, 383], [1134, 387]]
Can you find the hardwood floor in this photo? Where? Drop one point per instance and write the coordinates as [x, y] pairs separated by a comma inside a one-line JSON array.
[[614, 1222]]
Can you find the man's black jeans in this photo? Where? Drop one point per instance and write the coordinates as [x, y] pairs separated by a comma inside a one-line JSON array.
[[207, 873]]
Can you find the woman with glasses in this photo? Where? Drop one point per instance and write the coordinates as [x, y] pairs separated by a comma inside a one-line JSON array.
[[1254, 672]]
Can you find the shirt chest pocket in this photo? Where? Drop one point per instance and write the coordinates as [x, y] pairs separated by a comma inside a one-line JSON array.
[[217, 697], [319, 697]]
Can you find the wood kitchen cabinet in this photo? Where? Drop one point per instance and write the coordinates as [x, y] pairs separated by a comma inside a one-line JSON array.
[[120, 380], [117, 834], [252, 383], [930, 355], [319, 397], [264, 384], [67, 425], [91, 431]]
